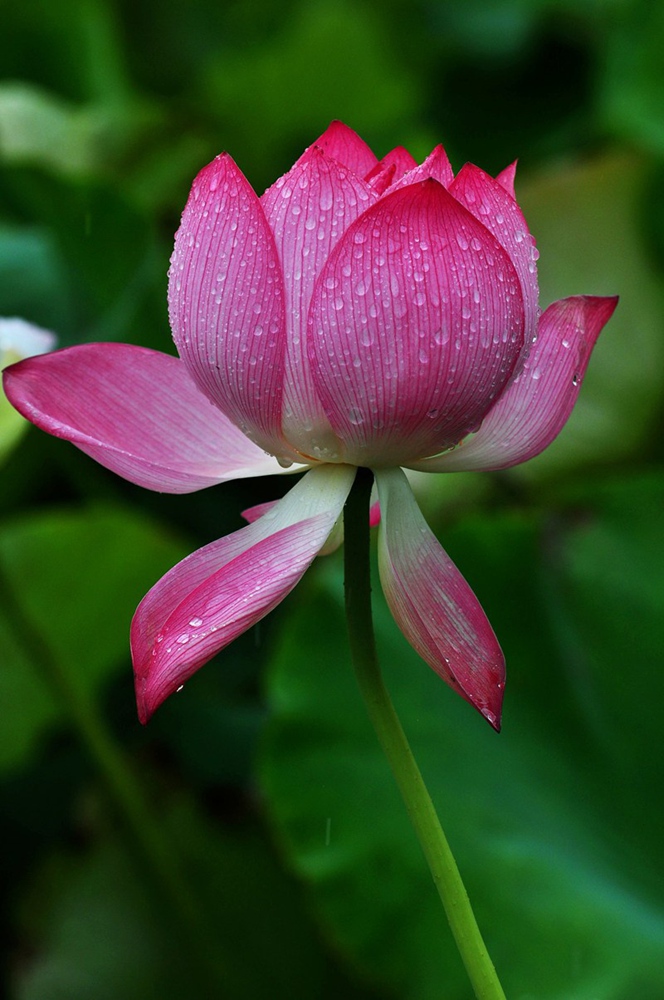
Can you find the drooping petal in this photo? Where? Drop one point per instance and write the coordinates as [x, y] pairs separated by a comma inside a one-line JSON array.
[[432, 604], [226, 302], [344, 145], [223, 589], [436, 165], [489, 202], [308, 209], [411, 336], [137, 412], [534, 408]]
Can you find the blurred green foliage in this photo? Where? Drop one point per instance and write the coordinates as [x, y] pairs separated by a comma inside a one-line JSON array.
[[260, 792]]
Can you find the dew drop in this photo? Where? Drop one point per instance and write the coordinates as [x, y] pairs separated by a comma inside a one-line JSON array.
[[196, 622]]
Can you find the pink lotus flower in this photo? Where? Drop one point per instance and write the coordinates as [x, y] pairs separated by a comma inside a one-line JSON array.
[[360, 313]]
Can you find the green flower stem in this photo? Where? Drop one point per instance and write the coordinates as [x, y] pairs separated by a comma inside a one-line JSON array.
[[157, 855], [393, 740]]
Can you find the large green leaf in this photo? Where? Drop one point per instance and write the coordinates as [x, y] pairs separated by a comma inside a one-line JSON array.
[[631, 81], [106, 257], [94, 931], [266, 111], [75, 578], [586, 221], [550, 842]]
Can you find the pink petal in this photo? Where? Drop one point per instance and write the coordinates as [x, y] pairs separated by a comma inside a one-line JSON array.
[[390, 169], [411, 333], [432, 604], [534, 408], [436, 165], [308, 210], [344, 145], [137, 412], [506, 179], [223, 589], [226, 300], [252, 514], [489, 202]]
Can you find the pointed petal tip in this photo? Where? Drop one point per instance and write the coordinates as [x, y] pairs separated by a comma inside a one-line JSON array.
[[143, 707], [489, 699], [506, 178], [495, 721], [493, 712]]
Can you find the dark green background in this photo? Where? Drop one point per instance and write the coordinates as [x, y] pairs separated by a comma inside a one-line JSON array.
[[249, 842]]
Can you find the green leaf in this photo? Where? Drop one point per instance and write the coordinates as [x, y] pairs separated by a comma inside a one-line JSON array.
[[631, 84], [568, 907], [76, 577], [105, 249], [360, 81], [33, 278], [586, 221], [606, 599], [93, 930]]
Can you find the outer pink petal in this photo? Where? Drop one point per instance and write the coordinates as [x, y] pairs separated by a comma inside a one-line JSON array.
[[412, 335], [344, 145], [221, 590], [436, 165], [489, 202], [534, 408], [226, 300], [137, 412], [432, 604], [308, 210]]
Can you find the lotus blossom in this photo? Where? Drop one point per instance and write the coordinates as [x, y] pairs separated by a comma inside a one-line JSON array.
[[362, 312]]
